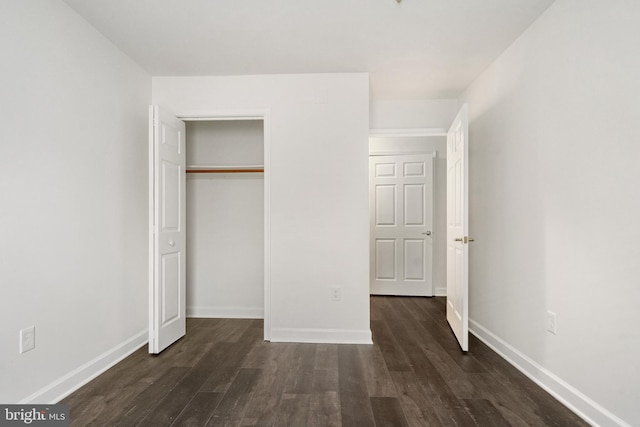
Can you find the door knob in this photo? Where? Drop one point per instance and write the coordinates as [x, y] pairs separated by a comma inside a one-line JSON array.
[[172, 243], [464, 239], [427, 233]]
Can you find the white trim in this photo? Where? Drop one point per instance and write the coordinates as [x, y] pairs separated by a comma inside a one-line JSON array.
[[266, 117], [391, 133], [152, 228], [263, 114], [403, 152], [324, 336], [568, 395], [226, 114], [226, 312], [67, 384]]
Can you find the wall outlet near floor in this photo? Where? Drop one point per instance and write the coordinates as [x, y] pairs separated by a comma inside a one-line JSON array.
[[27, 339], [552, 322], [336, 293]]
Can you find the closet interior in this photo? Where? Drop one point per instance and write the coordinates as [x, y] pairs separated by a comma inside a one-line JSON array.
[[225, 218]]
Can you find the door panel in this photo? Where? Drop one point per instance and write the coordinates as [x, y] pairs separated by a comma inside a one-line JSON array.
[[401, 206], [457, 228], [414, 260], [170, 287], [385, 170], [414, 205], [385, 205], [167, 293], [385, 259], [170, 193]]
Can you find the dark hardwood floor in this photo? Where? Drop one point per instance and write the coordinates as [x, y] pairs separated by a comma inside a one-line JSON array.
[[223, 373]]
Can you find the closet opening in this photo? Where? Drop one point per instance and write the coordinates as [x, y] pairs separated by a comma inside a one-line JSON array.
[[225, 218]]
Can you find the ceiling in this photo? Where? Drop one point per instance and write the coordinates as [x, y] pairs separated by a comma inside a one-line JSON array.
[[416, 49]]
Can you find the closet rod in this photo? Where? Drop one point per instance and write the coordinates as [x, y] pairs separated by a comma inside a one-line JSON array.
[[225, 166], [225, 170]]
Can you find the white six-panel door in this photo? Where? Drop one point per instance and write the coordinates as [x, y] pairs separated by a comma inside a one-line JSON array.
[[401, 217], [167, 293], [457, 228]]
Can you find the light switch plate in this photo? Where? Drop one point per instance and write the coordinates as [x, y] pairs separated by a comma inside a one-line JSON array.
[[27, 339]]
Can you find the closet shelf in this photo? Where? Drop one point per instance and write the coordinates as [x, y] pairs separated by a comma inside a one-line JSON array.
[[225, 169]]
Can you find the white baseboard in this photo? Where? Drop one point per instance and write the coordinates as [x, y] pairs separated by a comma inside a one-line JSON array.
[[325, 336], [64, 386], [440, 292], [226, 312], [573, 399]]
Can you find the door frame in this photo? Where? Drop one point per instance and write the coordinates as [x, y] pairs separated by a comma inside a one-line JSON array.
[[410, 133], [265, 116]]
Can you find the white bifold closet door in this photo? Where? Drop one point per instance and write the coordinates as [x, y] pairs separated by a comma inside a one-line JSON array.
[[167, 293]]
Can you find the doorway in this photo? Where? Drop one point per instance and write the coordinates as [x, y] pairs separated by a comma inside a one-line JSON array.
[[432, 143], [167, 215], [225, 218]]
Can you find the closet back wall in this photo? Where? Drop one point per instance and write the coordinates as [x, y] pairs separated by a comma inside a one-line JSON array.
[[225, 221]]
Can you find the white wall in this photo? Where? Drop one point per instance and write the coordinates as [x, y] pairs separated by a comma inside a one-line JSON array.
[[555, 202], [427, 144], [73, 191], [413, 114], [225, 221], [318, 130]]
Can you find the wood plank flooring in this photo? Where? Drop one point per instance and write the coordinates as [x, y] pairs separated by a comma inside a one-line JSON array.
[[223, 374]]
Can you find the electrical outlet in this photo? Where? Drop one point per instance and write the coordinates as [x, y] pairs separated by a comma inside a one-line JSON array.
[[336, 293], [27, 339], [552, 322]]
